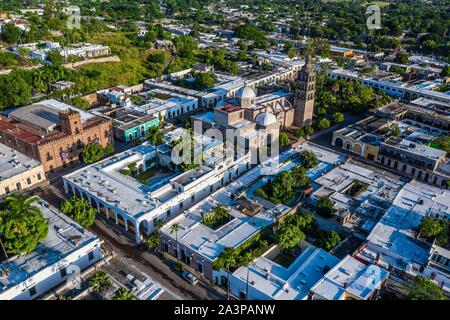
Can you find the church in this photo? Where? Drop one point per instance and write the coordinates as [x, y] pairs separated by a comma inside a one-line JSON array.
[[257, 120], [288, 111]]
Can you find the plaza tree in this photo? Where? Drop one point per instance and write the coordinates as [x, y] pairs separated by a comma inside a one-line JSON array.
[[431, 227], [338, 117], [93, 152], [155, 136], [284, 140], [323, 124], [308, 130]]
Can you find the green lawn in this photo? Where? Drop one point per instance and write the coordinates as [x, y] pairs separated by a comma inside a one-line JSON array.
[[144, 176]]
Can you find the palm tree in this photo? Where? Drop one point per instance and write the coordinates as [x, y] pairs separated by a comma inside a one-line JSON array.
[[124, 294], [19, 205], [246, 260], [155, 136], [2, 221], [175, 228], [159, 223], [227, 259], [100, 283]]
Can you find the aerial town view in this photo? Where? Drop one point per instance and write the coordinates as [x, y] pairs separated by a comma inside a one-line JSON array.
[[225, 150]]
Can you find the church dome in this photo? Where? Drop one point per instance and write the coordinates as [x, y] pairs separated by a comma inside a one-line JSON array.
[[246, 92], [265, 119]]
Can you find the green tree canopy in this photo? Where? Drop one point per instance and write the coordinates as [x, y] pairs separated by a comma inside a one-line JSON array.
[[185, 46], [100, 282], [325, 207], [79, 210], [331, 240], [11, 33], [338, 117], [308, 130], [424, 289], [94, 152], [284, 139], [124, 294], [308, 159], [300, 177], [204, 80], [288, 236], [22, 225], [431, 227], [323, 123]]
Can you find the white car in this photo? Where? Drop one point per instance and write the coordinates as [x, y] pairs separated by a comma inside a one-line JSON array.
[[189, 277]]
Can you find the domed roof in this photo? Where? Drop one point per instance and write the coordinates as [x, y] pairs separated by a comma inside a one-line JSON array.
[[265, 119], [246, 92]]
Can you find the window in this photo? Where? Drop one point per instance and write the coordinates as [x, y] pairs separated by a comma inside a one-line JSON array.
[[7, 191], [181, 205], [63, 272], [91, 256], [39, 177], [18, 186], [28, 181], [32, 291]]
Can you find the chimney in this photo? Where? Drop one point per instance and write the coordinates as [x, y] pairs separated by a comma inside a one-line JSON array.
[[345, 285]]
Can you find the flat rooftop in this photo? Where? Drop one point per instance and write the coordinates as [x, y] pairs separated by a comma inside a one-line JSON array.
[[415, 148], [43, 115], [104, 180], [361, 280], [210, 243], [64, 238], [340, 179], [13, 163], [292, 283], [397, 230], [127, 119]]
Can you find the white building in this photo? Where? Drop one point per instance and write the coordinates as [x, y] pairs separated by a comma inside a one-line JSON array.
[[393, 88], [350, 279], [199, 245], [394, 243], [268, 280], [18, 171], [167, 103], [68, 249], [135, 206], [85, 50]]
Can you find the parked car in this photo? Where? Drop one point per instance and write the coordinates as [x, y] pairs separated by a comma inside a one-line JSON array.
[[189, 277]]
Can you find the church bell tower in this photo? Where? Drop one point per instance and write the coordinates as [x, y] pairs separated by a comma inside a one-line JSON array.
[[304, 95]]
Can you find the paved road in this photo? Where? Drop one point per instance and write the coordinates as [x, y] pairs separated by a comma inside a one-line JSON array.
[[141, 259]]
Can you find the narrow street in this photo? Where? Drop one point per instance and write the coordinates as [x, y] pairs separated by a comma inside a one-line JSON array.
[[141, 259]]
